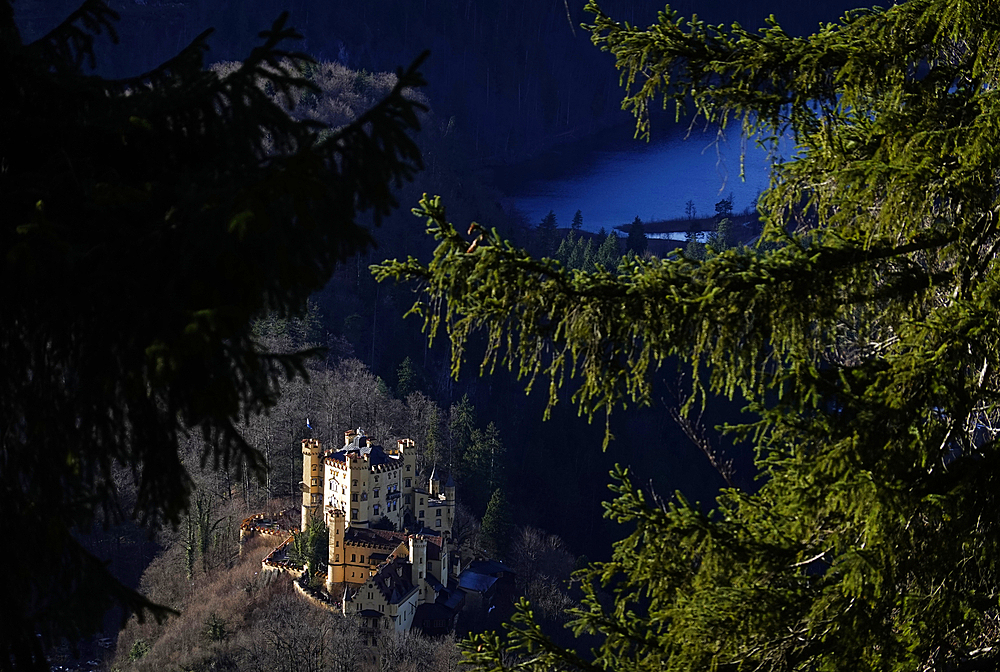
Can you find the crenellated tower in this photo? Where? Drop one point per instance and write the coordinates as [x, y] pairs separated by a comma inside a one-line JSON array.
[[312, 480]]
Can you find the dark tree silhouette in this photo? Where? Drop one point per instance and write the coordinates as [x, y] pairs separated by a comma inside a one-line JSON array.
[[146, 222]]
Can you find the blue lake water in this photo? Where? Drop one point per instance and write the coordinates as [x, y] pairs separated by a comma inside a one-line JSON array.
[[612, 178]]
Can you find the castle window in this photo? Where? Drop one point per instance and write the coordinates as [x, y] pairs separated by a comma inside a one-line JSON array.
[[408, 467], [375, 510], [336, 543], [354, 513], [439, 512], [314, 467], [362, 559], [315, 481], [364, 496], [336, 557], [354, 496], [408, 482], [420, 514], [375, 493], [376, 478], [354, 558], [421, 501], [354, 482], [438, 523]]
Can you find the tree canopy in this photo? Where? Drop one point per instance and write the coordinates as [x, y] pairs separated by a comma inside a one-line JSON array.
[[862, 330], [146, 222]]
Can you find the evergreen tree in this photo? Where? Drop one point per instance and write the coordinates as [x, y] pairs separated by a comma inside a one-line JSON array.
[[577, 223], [311, 546], [407, 378], [582, 256], [721, 239], [483, 467], [637, 241], [863, 333], [693, 249], [497, 526], [567, 248], [433, 444], [146, 223], [609, 254], [724, 209], [461, 425], [547, 232]]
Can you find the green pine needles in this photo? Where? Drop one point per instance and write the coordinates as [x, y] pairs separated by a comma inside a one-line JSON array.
[[864, 330]]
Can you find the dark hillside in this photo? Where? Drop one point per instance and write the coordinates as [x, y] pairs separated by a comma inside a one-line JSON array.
[[510, 78]]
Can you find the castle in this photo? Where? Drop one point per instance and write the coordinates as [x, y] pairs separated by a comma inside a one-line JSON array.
[[392, 580]]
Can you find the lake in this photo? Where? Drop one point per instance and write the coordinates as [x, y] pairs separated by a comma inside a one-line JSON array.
[[612, 177]]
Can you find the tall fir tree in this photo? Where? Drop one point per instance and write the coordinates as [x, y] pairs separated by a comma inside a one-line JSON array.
[[863, 333], [637, 241], [147, 222], [609, 254], [497, 526], [461, 425], [548, 230], [407, 378], [567, 247], [483, 467], [582, 256]]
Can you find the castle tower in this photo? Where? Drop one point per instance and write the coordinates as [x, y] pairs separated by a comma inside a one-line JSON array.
[[434, 483], [445, 559], [408, 453], [449, 496], [312, 480], [358, 474], [336, 559], [449, 489], [418, 564]]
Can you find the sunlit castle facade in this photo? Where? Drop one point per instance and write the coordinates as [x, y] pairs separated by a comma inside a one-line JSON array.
[[392, 578], [367, 483]]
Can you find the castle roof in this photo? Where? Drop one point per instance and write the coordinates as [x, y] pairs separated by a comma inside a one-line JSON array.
[[394, 581], [376, 454], [381, 539], [387, 540], [489, 568]]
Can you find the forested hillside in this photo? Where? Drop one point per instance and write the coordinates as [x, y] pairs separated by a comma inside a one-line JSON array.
[[509, 77]]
